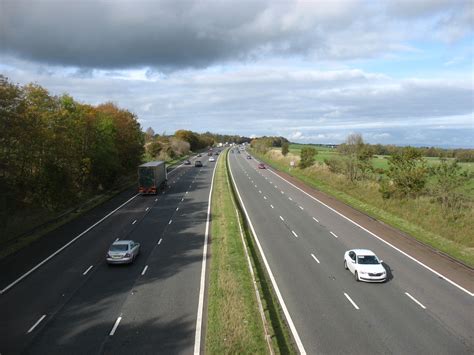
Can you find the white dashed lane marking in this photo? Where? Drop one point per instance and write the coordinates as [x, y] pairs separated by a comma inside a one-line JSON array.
[[315, 258]]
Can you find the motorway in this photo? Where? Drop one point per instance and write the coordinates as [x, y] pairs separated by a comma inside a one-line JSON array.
[[77, 304], [303, 242]]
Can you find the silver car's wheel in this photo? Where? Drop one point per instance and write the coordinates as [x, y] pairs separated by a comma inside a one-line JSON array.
[[356, 275], [345, 265]]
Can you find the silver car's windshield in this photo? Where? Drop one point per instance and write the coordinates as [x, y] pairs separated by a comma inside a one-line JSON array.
[[367, 259], [120, 247]]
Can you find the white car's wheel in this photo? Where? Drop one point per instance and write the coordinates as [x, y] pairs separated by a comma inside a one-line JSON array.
[[345, 265], [356, 275]]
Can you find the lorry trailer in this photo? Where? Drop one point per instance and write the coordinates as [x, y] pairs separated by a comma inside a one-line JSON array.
[[152, 177]]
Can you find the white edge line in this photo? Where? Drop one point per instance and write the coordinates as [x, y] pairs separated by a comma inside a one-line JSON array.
[[135, 221], [315, 258], [296, 336], [88, 269], [296, 235], [202, 286], [144, 270], [335, 236], [117, 322], [159, 242], [315, 219], [36, 324], [63, 247], [281, 218], [415, 300], [350, 300], [171, 221], [382, 240]]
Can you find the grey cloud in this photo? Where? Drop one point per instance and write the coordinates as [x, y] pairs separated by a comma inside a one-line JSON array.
[[174, 34]]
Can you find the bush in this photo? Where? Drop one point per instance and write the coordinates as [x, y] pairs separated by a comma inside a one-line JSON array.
[[307, 157]]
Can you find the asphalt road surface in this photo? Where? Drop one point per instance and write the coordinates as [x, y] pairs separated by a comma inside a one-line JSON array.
[[414, 312], [77, 304]]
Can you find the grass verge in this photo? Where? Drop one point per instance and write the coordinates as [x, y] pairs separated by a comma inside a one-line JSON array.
[[234, 324], [419, 218]]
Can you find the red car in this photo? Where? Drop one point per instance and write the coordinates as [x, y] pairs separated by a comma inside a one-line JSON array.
[[261, 166]]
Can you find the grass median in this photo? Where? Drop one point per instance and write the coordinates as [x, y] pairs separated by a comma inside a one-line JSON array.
[[234, 322]]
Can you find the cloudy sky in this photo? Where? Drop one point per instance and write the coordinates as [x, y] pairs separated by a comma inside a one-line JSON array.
[[396, 71]]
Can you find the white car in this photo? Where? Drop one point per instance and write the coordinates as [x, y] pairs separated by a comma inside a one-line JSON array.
[[365, 265], [123, 252], [212, 159]]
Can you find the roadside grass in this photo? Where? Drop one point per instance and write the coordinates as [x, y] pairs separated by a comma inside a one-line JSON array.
[[381, 162], [421, 218], [234, 325]]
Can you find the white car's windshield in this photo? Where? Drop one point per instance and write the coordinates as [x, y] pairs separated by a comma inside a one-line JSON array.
[[367, 259]]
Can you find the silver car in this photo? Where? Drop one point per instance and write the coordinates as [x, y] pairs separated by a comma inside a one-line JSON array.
[[123, 252]]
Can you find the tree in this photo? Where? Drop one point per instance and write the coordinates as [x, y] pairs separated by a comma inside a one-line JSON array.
[[149, 134], [356, 157], [408, 172], [285, 148], [449, 177], [307, 157]]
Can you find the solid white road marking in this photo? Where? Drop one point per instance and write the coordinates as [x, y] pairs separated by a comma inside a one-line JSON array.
[[315, 258], [88, 269], [171, 221], [315, 219], [64, 247], [335, 236], [159, 242], [177, 208], [202, 286], [281, 218], [135, 221], [381, 239], [144, 270], [36, 324], [415, 300], [112, 332], [350, 299], [301, 208], [289, 320], [296, 235]]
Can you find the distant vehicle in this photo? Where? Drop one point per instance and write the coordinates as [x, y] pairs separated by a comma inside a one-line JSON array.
[[187, 162], [152, 177], [199, 155], [123, 252], [216, 153], [211, 159], [261, 166], [249, 157], [365, 265], [198, 164], [209, 153]]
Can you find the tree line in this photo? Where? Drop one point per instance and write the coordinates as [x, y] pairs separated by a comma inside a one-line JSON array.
[[56, 151], [182, 142]]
